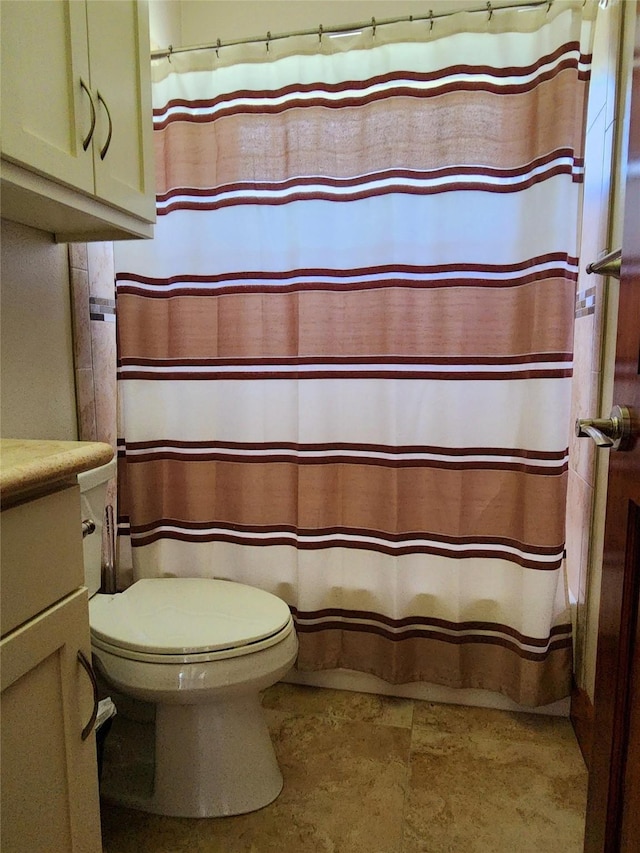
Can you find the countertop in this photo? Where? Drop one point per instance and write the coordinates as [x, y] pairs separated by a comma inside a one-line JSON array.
[[29, 467]]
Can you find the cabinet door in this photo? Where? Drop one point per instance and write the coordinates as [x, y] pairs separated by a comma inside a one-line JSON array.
[[120, 77], [49, 774], [47, 111]]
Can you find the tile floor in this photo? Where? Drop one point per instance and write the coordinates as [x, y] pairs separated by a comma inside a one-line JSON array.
[[372, 774]]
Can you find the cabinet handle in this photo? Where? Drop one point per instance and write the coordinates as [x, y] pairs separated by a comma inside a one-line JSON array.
[[105, 147], [84, 663], [87, 139]]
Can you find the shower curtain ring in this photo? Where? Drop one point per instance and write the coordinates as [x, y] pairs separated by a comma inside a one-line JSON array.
[[218, 46], [373, 24], [268, 39], [430, 21], [489, 10], [169, 52], [320, 34]]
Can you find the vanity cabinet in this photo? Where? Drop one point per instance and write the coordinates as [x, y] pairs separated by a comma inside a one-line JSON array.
[[49, 775], [77, 155]]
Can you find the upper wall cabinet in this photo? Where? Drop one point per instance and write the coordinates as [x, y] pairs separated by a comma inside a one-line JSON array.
[[77, 150]]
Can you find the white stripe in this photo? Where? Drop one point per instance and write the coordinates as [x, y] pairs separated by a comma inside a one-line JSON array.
[[357, 411], [375, 231], [327, 279], [398, 184], [266, 453], [310, 369], [356, 539]]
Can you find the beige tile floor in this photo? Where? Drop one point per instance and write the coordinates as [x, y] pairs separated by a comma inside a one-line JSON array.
[[372, 774]]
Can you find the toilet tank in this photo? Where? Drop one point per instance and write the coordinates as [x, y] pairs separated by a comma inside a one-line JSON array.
[[93, 493]]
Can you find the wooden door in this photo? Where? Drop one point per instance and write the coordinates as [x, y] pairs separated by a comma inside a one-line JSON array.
[[613, 809], [46, 112]]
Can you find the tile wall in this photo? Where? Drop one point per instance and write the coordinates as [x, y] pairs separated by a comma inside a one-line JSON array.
[[91, 275]]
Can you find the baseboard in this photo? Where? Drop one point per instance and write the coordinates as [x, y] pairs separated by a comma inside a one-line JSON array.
[[581, 716]]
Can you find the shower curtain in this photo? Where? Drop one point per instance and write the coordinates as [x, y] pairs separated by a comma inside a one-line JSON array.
[[345, 359]]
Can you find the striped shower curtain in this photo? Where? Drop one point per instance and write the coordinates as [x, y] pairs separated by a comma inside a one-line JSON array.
[[345, 359]]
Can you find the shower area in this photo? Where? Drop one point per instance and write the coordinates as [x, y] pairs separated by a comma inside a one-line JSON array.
[[346, 365]]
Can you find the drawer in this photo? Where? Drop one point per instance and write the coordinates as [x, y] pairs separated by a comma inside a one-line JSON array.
[[40, 555]]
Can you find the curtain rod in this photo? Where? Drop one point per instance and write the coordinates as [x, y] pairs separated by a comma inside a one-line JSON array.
[[345, 28]]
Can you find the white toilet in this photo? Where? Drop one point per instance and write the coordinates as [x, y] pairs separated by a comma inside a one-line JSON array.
[[199, 650]]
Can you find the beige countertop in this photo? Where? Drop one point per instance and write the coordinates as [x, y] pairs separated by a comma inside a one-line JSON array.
[[30, 466]]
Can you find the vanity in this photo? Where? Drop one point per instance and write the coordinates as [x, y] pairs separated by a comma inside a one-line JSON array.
[[49, 784]]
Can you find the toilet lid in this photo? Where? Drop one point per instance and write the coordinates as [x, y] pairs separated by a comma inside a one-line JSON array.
[[186, 615]]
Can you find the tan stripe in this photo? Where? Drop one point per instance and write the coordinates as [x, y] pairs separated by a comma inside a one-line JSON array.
[[507, 131], [533, 318], [469, 665], [511, 505], [399, 628]]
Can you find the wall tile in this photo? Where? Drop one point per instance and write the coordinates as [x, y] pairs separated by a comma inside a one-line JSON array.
[[80, 316], [86, 405], [101, 270], [78, 256], [103, 336]]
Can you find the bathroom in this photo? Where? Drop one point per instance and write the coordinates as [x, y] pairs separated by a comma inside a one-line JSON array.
[[58, 368]]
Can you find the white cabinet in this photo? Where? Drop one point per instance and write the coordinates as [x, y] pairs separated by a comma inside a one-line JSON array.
[[77, 156], [49, 785], [49, 775]]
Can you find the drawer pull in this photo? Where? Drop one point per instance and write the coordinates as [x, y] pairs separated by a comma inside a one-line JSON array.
[[84, 663], [105, 147], [87, 139]]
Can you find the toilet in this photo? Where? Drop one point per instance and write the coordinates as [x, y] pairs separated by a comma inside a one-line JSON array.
[[188, 657]]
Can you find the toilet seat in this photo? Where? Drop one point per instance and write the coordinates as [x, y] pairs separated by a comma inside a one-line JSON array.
[[187, 620]]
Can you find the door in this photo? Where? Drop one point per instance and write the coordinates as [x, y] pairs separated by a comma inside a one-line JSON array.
[[613, 808], [49, 794], [122, 144], [45, 64]]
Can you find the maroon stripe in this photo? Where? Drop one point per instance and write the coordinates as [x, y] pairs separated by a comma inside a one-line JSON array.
[[363, 100], [352, 460], [359, 180], [441, 637], [416, 76], [375, 547], [432, 622], [346, 287], [381, 269], [359, 85], [472, 625], [458, 186], [379, 448], [328, 374], [524, 358], [185, 525]]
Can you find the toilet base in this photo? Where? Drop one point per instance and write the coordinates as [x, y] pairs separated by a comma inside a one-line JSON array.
[[202, 760]]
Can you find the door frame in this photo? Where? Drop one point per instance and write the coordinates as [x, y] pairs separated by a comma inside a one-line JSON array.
[[610, 802]]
